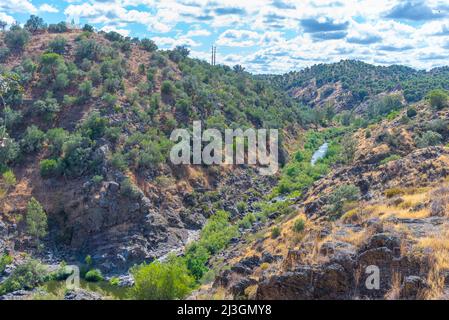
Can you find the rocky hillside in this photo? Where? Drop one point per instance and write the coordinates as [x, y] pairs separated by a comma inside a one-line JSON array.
[[387, 208], [86, 118], [85, 177]]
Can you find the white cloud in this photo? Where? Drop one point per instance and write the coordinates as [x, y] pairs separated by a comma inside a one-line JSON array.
[[48, 8]]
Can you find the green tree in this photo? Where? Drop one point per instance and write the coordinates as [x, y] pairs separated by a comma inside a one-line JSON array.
[[196, 258], [36, 220], [349, 147], [35, 23], [161, 280], [438, 98]]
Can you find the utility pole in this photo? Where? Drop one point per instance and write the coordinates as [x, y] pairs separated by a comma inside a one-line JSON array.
[[213, 60]]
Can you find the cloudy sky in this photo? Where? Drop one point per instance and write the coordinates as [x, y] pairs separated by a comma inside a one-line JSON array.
[[268, 36]]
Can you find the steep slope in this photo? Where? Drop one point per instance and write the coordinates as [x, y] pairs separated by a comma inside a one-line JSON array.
[[384, 214], [88, 118]]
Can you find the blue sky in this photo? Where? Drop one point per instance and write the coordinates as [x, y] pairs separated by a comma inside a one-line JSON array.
[[268, 36]]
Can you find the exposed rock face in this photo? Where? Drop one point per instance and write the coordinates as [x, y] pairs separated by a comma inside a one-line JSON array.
[[346, 275], [120, 229]]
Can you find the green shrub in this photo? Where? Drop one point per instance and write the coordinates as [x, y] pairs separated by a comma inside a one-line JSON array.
[[148, 45], [69, 101], [57, 45], [25, 276], [109, 99], [5, 259], [16, 38], [9, 152], [87, 49], [35, 23], [85, 89], [118, 161], [411, 112], [9, 179], [97, 179], [94, 126], [94, 275], [340, 196], [275, 232], [56, 138], [59, 27], [247, 221], [241, 206], [428, 139], [88, 28], [161, 281], [129, 189], [47, 107], [217, 232], [49, 168], [11, 117], [393, 157], [299, 225], [32, 139], [438, 98], [114, 281], [167, 87], [62, 273]]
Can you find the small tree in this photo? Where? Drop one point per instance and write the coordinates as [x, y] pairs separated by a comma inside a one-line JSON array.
[[438, 98], [349, 147], [35, 23], [36, 220]]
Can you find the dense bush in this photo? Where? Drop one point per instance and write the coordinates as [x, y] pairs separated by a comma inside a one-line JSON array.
[[27, 275], [340, 196], [94, 275], [11, 117], [57, 45], [87, 49], [148, 45], [49, 168], [196, 257], [161, 281], [32, 139], [428, 139], [299, 225], [10, 149], [47, 107], [5, 259], [411, 112], [16, 38], [59, 27], [76, 158]]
